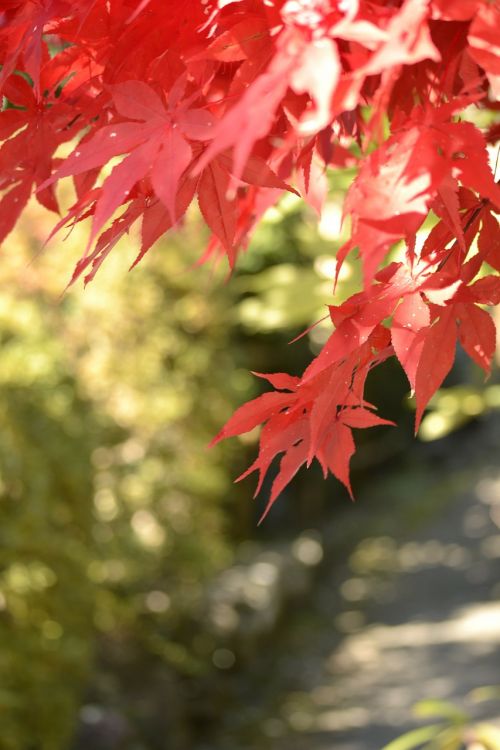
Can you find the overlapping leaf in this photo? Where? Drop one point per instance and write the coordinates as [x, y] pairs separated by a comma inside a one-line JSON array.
[[231, 102]]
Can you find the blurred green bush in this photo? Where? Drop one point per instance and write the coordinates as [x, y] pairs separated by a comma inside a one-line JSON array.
[[453, 728], [113, 515], [112, 512]]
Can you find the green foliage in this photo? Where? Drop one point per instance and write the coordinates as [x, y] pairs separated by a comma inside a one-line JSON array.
[[453, 407], [47, 600], [114, 516], [456, 730], [112, 512], [287, 278]]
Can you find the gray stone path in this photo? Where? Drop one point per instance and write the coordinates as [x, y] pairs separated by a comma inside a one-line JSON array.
[[420, 619], [407, 608]]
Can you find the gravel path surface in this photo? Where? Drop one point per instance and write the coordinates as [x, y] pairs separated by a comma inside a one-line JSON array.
[[420, 619], [407, 608]]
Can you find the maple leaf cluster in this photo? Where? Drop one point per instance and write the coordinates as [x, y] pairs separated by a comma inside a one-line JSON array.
[[233, 102]]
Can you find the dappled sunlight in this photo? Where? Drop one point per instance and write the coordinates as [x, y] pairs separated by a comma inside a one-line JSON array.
[[419, 618], [453, 407], [488, 490], [379, 644], [248, 597]]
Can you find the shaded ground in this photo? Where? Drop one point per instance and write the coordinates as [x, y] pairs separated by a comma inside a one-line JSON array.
[[434, 631], [409, 616]]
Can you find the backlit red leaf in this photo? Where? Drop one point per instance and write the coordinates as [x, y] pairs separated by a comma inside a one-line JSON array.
[[216, 208], [411, 316], [171, 162], [337, 451], [436, 360], [477, 334], [254, 413]]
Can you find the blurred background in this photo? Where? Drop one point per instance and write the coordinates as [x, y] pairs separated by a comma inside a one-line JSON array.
[[140, 606]]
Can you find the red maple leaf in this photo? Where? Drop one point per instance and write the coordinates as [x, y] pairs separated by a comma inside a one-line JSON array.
[[231, 102]]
